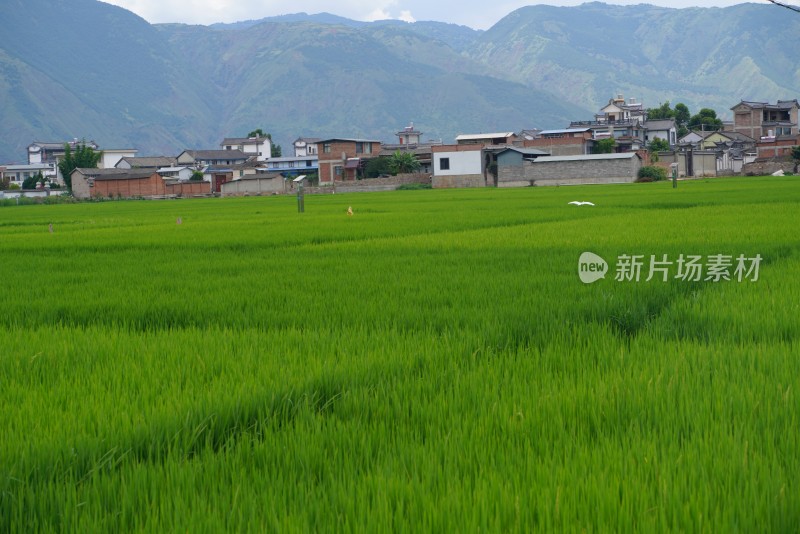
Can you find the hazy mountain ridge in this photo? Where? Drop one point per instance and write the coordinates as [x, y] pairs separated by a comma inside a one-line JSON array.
[[98, 71]]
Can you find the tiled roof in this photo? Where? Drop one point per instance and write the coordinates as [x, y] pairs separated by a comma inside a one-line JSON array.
[[116, 174], [150, 161]]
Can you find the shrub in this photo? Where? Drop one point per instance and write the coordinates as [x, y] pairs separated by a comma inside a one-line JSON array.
[[413, 187], [651, 173]]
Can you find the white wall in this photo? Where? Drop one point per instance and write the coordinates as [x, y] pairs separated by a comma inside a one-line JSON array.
[[112, 157], [461, 163]]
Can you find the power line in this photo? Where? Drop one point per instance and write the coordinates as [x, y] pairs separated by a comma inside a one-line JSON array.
[[787, 6]]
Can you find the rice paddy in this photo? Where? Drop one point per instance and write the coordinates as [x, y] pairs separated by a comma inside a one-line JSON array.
[[431, 363]]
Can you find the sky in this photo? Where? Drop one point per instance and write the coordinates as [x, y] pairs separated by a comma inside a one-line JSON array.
[[478, 14]]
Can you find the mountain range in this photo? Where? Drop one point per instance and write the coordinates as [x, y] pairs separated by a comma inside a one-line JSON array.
[[86, 69]]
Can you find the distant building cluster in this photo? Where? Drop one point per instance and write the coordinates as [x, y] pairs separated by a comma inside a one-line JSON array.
[[759, 131]]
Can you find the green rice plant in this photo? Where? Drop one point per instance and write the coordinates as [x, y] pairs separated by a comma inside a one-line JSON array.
[[432, 363]]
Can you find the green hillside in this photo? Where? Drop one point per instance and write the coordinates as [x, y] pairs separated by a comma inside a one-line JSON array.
[[91, 70]]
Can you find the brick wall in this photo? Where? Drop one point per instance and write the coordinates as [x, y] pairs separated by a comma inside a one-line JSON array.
[[466, 180]]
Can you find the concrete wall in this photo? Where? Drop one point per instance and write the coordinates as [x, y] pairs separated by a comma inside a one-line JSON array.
[[368, 185], [254, 186], [460, 163], [589, 171]]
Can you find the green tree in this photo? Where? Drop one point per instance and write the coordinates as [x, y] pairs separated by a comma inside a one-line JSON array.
[[84, 157], [604, 146], [662, 112], [377, 166], [276, 151], [796, 157], [655, 146], [402, 162], [197, 176], [658, 145], [257, 133], [706, 120], [682, 116], [31, 181]]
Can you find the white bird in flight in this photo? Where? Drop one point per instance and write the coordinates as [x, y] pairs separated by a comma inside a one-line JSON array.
[[580, 203]]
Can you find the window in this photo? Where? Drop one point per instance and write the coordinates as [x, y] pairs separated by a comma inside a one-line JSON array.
[[359, 148], [326, 148], [338, 170], [367, 148], [444, 164]]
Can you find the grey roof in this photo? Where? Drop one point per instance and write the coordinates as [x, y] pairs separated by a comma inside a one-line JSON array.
[[60, 146], [586, 157], [526, 151], [659, 124], [149, 161], [243, 141], [116, 174], [781, 104]]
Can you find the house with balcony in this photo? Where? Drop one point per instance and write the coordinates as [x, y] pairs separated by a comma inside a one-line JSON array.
[[291, 166], [41, 152], [761, 120], [259, 147], [343, 158]]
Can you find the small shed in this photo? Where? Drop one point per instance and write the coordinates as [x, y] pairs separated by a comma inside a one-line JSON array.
[[586, 169]]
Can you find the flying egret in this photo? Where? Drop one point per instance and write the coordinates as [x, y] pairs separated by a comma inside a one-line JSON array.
[[580, 203]]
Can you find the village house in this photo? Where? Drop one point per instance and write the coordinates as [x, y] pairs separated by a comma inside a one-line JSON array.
[[563, 142], [341, 158], [17, 174], [759, 120], [511, 165], [410, 140], [460, 165], [292, 166], [665, 129], [152, 162], [131, 183], [260, 147], [623, 121], [52, 153], [483, 139], [109, 157], [305, 146]]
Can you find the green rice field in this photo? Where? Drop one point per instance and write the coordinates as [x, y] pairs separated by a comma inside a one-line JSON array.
[[433, 363]]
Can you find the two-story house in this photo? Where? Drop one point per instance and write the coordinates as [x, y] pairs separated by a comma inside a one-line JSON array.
[[341, 158], [624, 121], [760, 119], [305, 146], [260, 147]]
